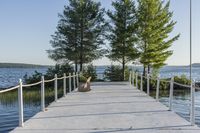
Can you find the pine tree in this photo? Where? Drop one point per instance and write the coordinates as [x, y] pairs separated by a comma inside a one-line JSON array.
[[80, 33], [122, 32], [154, 26]]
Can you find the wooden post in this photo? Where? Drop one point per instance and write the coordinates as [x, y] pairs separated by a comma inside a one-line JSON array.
[[192, 107], [42, 94], [141, 82], [148, 84], [129, 77], [74, 80], [157, 89], [77, 77], [64, 85], [136, 80], [20, 102], [70, 83], [56, 88], [133, 76], [171, 93]]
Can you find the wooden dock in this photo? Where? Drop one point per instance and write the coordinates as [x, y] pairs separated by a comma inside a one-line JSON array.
[[108, 108]]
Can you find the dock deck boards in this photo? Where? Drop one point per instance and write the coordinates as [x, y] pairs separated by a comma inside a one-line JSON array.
[[108, 108]]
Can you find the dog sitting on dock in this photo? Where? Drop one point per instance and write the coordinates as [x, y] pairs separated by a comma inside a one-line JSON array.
[[85, 87]]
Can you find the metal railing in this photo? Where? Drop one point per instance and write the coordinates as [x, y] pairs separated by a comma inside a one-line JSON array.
[[133, 79], [21, 86]]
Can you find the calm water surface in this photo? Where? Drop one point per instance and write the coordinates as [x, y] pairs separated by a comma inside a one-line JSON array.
[[10, 76], [9, 101]]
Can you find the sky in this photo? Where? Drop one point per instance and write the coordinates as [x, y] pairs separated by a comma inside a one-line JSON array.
[[26, 27]]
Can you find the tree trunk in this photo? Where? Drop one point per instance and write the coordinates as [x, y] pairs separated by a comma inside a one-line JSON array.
[[144, 70], [81, 47], [149, 69], [123, 69], [76, 66]]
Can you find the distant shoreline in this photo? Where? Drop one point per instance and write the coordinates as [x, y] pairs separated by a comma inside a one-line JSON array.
[[22, 65]]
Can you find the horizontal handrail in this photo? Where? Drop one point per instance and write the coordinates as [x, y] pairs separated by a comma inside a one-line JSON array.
[[10, 89], [47, 81], [196, 87], [30, 85], [167, 81], [133, 79], [60, 78], [187, 86], [37, 83], [20, 87]]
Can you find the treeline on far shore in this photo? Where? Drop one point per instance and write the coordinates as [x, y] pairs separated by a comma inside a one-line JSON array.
[[21, 65]]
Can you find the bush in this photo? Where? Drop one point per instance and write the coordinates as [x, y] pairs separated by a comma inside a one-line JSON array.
[[166, 85], [58, 69], [114, 73], [90, 71], [182, 80], [82, 79]]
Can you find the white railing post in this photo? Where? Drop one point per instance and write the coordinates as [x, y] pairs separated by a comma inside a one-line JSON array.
[[192, 106], [133, 74], [171, 93], [141, 82], [129, 79], [148, 84], [42, 94], [77, 77], [74, 80], [20, 102], [70, 82], [157, 88], [136, 80], [56, 88], [64, 85]]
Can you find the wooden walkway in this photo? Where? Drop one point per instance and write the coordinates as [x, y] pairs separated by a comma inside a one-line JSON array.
[[108, 108]]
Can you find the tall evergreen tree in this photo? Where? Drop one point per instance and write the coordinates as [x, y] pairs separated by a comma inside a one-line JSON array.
[[122, 32], [80, 33], [154, 26]]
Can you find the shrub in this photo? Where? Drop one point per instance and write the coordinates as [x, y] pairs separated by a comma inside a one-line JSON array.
[[59, 69], [90, 71], [114, 73], [166, 85], [82, 79]]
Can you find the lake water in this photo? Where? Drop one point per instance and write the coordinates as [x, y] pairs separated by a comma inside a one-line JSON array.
[[10, 76], [9, 102], [165, 72]]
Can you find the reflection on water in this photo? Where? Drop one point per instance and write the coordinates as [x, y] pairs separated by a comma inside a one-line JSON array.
[[181, 102], [10, 76], [9, 104], [32, 102]]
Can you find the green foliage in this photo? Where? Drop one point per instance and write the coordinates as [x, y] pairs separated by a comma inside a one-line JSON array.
[[122, 32], [36, 77], [31, 96], [154, 22], [182, 79], [164, 85], [155, 72], [90, 71], [114, 73], [80, 33], [82, 79], [58, 69]]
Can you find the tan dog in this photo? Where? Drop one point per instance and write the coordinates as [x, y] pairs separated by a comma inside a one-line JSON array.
[[85, 87]]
